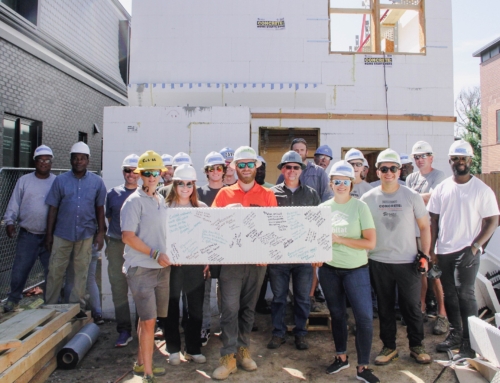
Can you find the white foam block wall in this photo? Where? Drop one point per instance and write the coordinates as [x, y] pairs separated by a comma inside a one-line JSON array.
[[485, 340]]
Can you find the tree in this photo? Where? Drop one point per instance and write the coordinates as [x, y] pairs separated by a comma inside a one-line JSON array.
[[468, 108]]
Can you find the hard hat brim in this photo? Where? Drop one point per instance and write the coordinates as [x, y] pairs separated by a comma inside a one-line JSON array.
[[302, 166]]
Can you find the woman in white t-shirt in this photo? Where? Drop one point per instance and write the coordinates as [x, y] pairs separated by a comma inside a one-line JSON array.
[[347, 275], [188, 279]]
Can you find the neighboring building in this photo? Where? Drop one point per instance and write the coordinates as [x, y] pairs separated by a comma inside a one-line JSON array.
[[296, 68], [61, 63], [490, 105]]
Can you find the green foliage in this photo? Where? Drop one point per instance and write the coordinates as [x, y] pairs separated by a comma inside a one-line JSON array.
[[468, 107]]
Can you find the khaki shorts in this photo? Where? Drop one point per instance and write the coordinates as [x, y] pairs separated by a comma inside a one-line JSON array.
[[151, 291]]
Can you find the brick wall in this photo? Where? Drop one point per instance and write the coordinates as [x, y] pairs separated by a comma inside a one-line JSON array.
[[490, 103], [31, 88]]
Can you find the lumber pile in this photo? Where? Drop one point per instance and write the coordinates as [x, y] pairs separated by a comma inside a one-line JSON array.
[[31, 339]]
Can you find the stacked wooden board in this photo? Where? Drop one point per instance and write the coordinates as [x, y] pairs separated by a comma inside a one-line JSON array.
[[31, 339]]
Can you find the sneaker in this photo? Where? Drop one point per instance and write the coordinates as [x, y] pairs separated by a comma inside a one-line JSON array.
[[315, 306], [276, 342], [81, 315], [366, 375], [386, 356], [139, 370], [98, 319], [300, 342], [452, 342], [197, 358], [465, 351], [10, 306], [441, 325], [420, 355], [205, 336], [174, 359], [244, 359], [226, 368], [123, 339], [337, 365], [148, 379]]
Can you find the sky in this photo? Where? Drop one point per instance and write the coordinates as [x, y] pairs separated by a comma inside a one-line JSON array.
[[475, 24]]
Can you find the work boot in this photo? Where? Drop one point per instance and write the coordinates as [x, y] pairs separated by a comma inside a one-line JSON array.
[[452, 341], [276, 342], [300, 342], [386, 356], [420, 355], [465, 351], [245, 360], [441, 325], [226, 368]]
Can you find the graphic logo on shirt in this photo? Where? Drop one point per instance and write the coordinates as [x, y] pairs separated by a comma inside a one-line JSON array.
[[390, 217], [339, 218]]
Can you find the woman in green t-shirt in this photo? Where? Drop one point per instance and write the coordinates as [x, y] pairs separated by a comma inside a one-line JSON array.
[[347, 275]]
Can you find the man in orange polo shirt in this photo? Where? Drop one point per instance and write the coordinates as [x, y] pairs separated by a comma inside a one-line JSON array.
[[240, 284]]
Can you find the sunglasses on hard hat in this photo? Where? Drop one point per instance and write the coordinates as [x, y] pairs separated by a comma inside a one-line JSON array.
[[217, 168], [243, 165], [385, 169], [149, 173], [340, 182], [184, 184], [423, 156]]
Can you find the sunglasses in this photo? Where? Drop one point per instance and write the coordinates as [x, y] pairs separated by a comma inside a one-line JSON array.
[[356, 164], [43, 161], [243, 165], [128, 170], [290, 167], [423, 156], [216, 168], [456, 159], [321, 156], [340, 182], [184, 184], [149, 173], [385, 169]]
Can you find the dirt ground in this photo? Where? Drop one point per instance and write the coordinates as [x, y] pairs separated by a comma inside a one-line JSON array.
[[104, 363]]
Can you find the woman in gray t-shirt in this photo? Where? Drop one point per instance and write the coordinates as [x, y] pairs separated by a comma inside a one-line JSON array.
[[188, 279]]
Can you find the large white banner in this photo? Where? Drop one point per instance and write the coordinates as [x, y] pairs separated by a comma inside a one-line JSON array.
[[252, 235]]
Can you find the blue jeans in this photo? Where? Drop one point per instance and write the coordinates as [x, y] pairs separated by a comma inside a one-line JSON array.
[[29, 247], [92, 288], [279, 276], [355, 284]]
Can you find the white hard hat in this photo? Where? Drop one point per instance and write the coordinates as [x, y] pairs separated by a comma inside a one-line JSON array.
[[461, 148], [214, 158], [342, 168], [167, 159], [80, 147], [261, 159], [181, 158], [184, 172], [227, 153], [245, 153], [43, 150], [421, 147], [405, 158], [354, 154], [130, 161], [365, 163], [388, 155]]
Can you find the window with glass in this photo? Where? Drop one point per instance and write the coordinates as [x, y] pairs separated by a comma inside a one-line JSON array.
[[20, 138], [377, 26], [26, 8]]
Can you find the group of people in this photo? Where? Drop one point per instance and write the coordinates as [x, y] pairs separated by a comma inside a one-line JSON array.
[[385, 237]]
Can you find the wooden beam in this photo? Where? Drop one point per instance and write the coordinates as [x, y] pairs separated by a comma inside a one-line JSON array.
[[358, 11], [421, 20], [45, 371], [400, 6], [375, 27], [334, 116]]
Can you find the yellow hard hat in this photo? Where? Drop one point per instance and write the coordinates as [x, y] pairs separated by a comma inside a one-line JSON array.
[[150, 161]]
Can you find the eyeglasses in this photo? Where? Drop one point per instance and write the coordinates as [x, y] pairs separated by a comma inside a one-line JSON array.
[[217, 168], [456, 159], [290, 167], [356, 164], [42, 161], [423, 156], [149, 173], [242, 165], [128, 170], [321, 156], [187, 184], [340, 182], [385, 169]]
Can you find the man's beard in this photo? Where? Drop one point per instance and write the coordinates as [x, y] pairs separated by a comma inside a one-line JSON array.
[[246, 179], [461, 172]]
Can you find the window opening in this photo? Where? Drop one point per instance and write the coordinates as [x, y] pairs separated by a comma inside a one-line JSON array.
[[20, 137]]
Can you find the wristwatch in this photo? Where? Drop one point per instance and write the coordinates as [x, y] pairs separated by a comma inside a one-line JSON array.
[[477, 246]]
